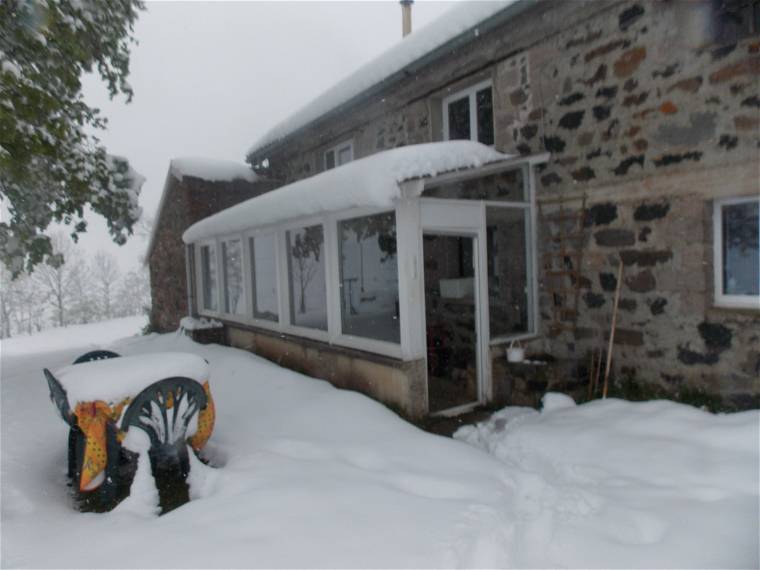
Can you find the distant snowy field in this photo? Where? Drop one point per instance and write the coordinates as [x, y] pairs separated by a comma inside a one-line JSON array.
[[312, 476]]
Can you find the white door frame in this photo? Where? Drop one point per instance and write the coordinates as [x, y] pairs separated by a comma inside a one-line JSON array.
[[467, 219]]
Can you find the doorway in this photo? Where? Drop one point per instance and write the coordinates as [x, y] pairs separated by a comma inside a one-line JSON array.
[[451, 320]]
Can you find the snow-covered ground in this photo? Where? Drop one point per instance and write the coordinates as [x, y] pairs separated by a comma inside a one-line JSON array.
[[312, 476]]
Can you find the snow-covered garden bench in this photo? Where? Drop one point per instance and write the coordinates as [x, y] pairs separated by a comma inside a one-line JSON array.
[[165, 395]]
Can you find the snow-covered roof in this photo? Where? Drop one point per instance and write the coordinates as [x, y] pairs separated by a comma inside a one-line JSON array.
[[463, 21], [368, 182], [210, 169]]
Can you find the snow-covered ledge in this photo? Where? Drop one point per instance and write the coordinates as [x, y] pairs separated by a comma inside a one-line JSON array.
[[371, 182]]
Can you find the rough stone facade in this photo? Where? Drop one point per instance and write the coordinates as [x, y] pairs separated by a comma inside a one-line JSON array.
[[185, 201], [650, 110]]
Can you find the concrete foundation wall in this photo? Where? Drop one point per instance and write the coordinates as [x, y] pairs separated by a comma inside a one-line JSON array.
[[401, 385]]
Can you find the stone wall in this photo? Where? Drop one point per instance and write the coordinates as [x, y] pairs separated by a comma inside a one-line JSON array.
[[185, 201], [651, 111]]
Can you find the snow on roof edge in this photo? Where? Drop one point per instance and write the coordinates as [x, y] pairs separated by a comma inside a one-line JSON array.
[[372, 181], [458, 22], [211, 169], [177, 167]]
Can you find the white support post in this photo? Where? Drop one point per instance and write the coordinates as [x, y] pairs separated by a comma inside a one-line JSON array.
[[410, 272]]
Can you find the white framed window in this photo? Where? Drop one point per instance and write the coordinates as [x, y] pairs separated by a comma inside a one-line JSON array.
[[736, 240], [207, 268], [265, 298], [307, 287], [468, 114], [339, 155], [368, 277], [233, 288]]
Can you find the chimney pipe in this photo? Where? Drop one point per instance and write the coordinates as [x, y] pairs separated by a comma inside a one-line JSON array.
[[406, 17]]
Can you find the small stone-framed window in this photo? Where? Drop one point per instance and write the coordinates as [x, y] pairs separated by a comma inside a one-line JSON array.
[[736, 243], [339, 155], [468, 114], [735, 19]]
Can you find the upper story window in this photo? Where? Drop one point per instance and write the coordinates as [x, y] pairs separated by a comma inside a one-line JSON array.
[[468, 114], [735, 19], [737, 253], [339, 154]]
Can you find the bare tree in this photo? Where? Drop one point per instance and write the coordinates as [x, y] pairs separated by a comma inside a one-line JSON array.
[[30, 302], [305, 251], [134, 293], [57, 275], [105, 274]]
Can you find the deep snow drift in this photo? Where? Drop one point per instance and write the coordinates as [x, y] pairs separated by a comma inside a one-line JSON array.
[[312, 476]]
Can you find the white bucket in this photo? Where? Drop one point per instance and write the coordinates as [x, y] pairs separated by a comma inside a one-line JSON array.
[[515, 353]]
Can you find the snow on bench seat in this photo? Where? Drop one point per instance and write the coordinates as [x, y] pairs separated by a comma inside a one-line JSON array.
[[114, 379]]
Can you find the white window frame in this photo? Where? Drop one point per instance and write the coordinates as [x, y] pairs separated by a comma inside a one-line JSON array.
[[202, 309], [285, 317], [353, 341], [223, 278], [409, 214], [470, 93], [720, 299], [335, 150], [248, 270]]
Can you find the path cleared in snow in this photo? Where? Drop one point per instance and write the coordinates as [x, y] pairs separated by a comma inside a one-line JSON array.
[[312, 476]]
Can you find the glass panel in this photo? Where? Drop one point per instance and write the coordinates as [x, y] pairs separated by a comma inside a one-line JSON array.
[[484, 105], [450, 320], [741, 255], [459, 119], [208, 272], [344, 155], [329, 159], [306, 274], [232, 264], [264, 277], [507, 186], [369, 277], [507, 270]]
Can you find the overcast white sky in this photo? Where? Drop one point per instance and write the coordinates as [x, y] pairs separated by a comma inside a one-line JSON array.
[[211, 77]]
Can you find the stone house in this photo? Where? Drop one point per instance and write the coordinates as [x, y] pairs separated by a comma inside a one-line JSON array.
[[626, 139], [194, 189]]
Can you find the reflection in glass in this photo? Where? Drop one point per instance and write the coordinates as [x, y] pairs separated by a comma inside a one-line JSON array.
[[741, 254], [264, 277], [208, 272], [459, 119], [507, 270], [484, 105], [507, 186], [306, 276], [232, 269], [369, 277]]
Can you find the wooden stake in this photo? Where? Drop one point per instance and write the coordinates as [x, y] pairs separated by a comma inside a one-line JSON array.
[[598, 370], [612, 330], [591, 375]]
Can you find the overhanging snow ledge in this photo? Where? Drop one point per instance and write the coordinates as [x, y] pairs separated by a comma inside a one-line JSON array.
[[374, 181]]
